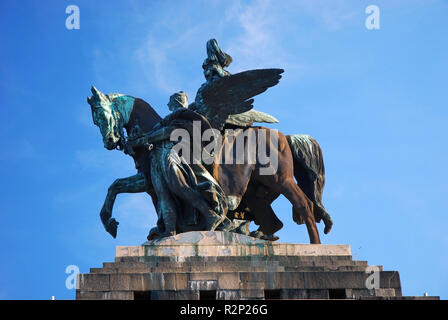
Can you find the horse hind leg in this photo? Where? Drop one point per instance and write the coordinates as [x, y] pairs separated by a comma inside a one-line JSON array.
[[302, 208], [325, 217]]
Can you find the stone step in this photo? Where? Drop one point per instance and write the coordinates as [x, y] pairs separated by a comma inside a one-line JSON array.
[[332, 262], [197, 265], [188, 269], [329, 268], [318, 260], [233, 280], [235, 265], [174, 264], [217, 259], [273, 267]]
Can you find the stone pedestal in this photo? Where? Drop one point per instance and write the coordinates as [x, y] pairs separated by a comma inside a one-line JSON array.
[[223, 265]]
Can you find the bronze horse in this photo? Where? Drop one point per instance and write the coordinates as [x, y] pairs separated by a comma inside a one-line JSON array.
[[299, 156]]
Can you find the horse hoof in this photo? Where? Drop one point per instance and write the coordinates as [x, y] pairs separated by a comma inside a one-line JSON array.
[[271, 237], [154, 233], [328, 227]]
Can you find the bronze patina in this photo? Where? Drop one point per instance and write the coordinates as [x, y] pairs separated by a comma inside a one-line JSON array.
[[201, 184]]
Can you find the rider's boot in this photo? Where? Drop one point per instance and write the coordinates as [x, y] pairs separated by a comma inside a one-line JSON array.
[[212, 221]]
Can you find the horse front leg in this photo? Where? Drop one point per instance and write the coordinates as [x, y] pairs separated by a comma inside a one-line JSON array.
[[134, 184]]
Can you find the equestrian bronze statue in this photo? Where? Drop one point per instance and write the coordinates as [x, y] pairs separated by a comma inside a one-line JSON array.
[[205, 165]]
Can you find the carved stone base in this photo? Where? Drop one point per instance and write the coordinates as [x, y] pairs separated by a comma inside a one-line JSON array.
[[223, 265]]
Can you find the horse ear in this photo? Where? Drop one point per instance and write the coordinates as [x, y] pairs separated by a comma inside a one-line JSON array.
[[97, 93], [88, 100]]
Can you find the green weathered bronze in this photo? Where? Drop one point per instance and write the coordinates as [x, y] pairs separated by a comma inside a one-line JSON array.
[[188, 193]]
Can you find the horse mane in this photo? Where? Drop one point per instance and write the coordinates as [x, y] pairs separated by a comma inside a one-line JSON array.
[[143, 115], [112, 96]]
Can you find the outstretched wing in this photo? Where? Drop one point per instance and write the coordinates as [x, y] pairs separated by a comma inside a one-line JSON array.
[[217, 100], [247, 119]]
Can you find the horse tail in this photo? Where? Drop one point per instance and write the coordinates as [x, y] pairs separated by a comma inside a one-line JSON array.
[[309, 171]]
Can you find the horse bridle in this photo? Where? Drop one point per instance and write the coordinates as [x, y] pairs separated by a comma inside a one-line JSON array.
[[118, 127]]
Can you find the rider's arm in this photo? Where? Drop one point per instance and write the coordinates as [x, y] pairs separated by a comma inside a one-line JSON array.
[[152, 137]]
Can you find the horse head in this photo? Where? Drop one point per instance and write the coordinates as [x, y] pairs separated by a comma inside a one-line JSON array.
[[110, 113]]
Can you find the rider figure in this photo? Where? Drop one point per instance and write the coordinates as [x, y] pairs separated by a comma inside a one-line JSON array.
[[174, 176]]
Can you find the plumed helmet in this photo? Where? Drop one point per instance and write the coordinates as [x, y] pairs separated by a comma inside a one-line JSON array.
[[214, 53]]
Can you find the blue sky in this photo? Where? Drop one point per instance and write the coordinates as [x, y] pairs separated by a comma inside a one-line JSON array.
[[374, 99]]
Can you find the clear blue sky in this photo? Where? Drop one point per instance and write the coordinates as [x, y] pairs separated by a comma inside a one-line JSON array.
[[376, 100]]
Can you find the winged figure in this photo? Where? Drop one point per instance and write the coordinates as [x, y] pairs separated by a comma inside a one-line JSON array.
[[230, 99], [225, 91]]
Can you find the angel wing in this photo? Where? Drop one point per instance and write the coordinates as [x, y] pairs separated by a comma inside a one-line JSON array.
[[247, 119], [217, 100]]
